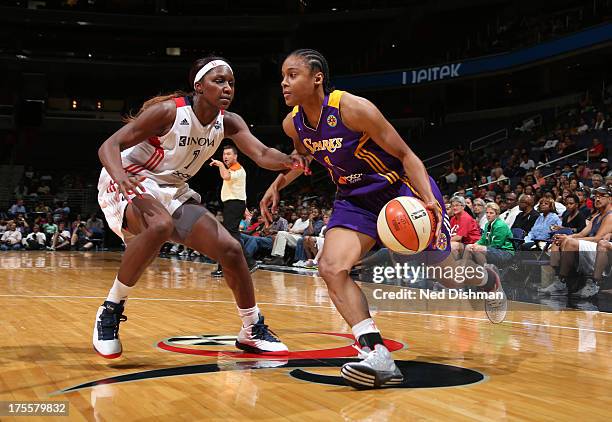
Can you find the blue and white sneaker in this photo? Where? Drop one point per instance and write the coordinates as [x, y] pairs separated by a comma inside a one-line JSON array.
[[376, 370], [106, 330], [259, 339]]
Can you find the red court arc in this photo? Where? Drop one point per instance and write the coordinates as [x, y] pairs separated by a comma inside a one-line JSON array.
[[343, 351]]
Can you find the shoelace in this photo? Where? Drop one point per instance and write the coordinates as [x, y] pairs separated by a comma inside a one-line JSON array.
[[109, 325], [362, 353], [262, 332]]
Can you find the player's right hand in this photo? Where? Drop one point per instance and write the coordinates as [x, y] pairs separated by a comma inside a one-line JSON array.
[[130, 185], [269, 204]]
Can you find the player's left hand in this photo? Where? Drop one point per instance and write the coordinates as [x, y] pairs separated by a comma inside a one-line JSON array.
[[435, 209], [299, 161]]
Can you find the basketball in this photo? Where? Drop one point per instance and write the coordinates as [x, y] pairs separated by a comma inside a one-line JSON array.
[[405, 226]]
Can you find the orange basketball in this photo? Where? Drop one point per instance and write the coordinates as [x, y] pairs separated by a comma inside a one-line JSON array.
[[405, 226]]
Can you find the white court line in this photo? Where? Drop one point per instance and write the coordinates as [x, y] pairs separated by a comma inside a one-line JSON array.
[[320, 306]]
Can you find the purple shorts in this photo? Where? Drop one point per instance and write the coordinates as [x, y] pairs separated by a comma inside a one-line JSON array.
[[360, 213]]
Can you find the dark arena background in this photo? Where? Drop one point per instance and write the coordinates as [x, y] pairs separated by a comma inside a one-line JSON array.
[[508, 103]]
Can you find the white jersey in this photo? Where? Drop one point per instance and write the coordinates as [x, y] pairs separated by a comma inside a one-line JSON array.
[[178, 155], [167, 162]]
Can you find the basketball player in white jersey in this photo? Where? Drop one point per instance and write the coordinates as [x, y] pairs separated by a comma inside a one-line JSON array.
[[146, 200]]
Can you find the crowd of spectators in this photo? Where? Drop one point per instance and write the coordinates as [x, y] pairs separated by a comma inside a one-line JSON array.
[[294, 238], [504, 201], [40, 217], [500, 201]]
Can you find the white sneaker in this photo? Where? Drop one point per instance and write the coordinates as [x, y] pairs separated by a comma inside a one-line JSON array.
[[376, 370], [174, 250], [259, 339], [299, 263], [590, 289], [556, 288], [106, 330]]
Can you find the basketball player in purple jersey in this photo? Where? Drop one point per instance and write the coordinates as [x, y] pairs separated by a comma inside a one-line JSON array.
[[370, 165], [146, 200]]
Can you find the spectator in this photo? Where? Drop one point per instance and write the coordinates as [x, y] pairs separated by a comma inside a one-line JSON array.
[[596, 180], [526, 162], [3, 225], [558, 208], [245, 220], [288, 238], [512, 209], [495, 245], [539, 177], [315, 245], [582, 248], [21, 190], [583, 172], [583, 207], [61, 238], [11, 239], [35, 240], [22, 224], [583, 127], [96, 226], [597, 150], [80, 239], [572, 218], [265, 239], [604, 169], [464, 229], [17, 208], [77, 221], [313, 230], [542, 227], [480, 214], [600, 122], [50, 228]]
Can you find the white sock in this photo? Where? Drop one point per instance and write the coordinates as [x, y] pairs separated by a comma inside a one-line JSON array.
[[118, 292], [364, 327], [249, 316]]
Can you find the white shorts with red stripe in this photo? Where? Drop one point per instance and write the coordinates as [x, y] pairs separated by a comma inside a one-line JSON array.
[[113, 204]]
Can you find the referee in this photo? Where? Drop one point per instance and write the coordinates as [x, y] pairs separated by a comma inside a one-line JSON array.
[[233, 196]]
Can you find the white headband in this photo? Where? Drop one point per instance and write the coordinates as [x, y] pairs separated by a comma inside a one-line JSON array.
[[208, 66]]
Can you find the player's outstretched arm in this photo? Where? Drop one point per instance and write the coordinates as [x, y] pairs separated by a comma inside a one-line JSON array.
[[269, 158], [154, 121], [361, 115]]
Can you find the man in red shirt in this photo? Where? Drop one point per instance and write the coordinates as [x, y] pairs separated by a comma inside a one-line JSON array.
[[464, 229]]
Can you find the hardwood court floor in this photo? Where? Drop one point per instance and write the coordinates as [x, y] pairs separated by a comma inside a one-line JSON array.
[[540, 365]]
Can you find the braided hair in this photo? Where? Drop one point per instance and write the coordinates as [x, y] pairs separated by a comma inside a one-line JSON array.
[[317, 63]]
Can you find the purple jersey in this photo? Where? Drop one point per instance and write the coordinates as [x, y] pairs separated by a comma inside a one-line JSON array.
[[356, 164], [366, 176]]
